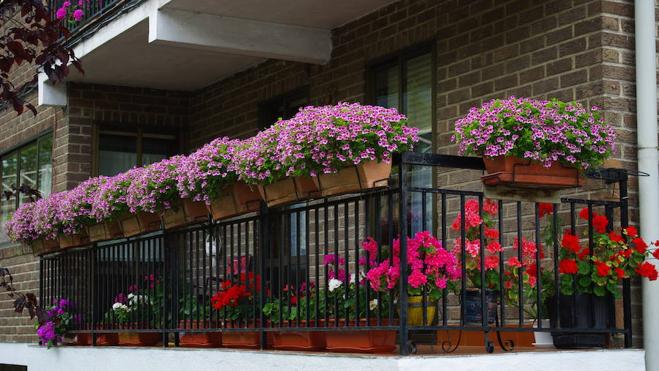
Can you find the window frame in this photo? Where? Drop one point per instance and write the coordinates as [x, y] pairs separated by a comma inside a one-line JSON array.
[[139, 133], [17, 150]]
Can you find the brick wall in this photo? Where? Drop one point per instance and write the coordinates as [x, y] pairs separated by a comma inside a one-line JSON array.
[[569, 49]]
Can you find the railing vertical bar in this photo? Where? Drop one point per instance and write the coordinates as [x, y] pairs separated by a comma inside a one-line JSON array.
[[463, 260], [557, 291], [481, 263], [502, 304], [367, 258], [298, 241], [317, 262], [424, 294], [538, 268], [346, 256], [520, 282], [403, 174], [444, 240], [356, 263], [336, 261]]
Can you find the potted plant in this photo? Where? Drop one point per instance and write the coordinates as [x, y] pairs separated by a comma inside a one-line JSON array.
[[153, 193], [296, 306], [431, 270], [110, 204], [344, 294], [535, 143], [27, 225], [209, 176], [590, 279], [258, 161], [80, 209], [236, 310], [126, 309], [54, 326], [193, 319], [490, 261], [345, 147]]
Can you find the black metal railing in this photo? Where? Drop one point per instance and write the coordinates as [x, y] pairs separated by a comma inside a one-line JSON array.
[[302, 268]]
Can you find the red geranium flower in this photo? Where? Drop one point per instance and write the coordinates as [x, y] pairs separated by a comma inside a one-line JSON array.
[[545, 208], [655, 253], [620, 272], [583, 253], [603, 270], [568, 266], [491, 233], [600, 222], [583, 214], [640, 245], [613, 236], [494, 247], [513, 261], [631, 231], [570, 242], [647, 270]]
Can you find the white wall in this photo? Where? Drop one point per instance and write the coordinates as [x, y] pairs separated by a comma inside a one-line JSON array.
[[145, 359]]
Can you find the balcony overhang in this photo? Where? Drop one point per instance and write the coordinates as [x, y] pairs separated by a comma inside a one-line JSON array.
[[189, 44]]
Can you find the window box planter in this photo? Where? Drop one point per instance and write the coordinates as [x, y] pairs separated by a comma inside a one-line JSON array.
[[75, 240], [367, 175], [236, 199], [523, 173], [43, 246], [104, 231], [183, 213], [298, 340], [582, 311], [139, 339], [240, 339], [194, 339], [195, 211], [289, 190], [101, 339], [345, 340], [134, 224]]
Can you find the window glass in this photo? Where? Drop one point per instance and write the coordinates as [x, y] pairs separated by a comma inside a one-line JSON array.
[[156, 149], [387, 86], [117, 153], [29, 166]]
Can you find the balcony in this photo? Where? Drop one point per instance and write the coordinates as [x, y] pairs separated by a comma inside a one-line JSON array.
[[300, 275]]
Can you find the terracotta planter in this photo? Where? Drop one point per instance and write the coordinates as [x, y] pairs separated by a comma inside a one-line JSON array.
[[240, 339], [360, 341], [198, 339], [69, 241], [294, 340], [134, 224], [415, 311], [104, 231], [236, 199], [139, 339], [195, 211], [289, 190], [174, 217], [101, 339], [522, 173], [43, 246], [367, 175]]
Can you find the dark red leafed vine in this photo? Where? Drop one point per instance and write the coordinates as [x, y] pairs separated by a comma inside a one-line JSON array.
[[29, 34]]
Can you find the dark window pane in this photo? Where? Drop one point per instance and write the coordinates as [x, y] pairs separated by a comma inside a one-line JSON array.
[[117, 153], [29, 169], [387, 86], [417, 100], [156, 149], [7, 207]]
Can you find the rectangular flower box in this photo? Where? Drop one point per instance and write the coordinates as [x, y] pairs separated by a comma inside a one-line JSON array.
[[367, 175], [107, 230], [289, 190], [298, 340], [43, 246], [345, 340], [139, 339], [75, 240], [134, 224], [236, 199], [195, 339], [240, 339], [195, 211], [523, 173]]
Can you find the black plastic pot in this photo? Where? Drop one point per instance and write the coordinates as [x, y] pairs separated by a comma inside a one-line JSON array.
[[473, 307], [583, 311]]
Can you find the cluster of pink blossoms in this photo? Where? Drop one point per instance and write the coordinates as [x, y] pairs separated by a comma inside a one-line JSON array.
[[545, 131], [74, 10], [318, 139], [430, 266]]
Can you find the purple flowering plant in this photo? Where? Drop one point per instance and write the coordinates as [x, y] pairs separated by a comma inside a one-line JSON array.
[[323, 140], [154, 188], [203, 174], [547, 131], [52, 329]]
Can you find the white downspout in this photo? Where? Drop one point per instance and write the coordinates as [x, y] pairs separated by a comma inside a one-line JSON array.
[[648, 162]]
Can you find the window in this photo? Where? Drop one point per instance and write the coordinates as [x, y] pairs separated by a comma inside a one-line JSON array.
[[282, 107], [119, 151], [28, 166], [405, 81]]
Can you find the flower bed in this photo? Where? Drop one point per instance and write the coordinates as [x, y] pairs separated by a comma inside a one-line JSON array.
[[283, 162]]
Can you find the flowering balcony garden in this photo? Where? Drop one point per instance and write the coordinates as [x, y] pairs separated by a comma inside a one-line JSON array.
[[300, 238]]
